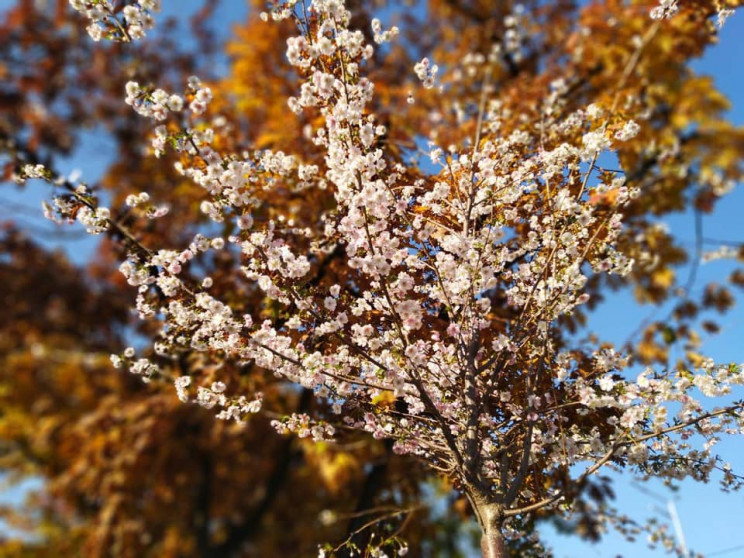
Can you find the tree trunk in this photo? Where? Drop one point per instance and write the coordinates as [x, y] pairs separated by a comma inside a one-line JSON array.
[[492, 544], [492, 541]]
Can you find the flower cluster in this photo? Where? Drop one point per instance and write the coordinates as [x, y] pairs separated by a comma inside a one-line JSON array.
[[106, 23], [515, 34], [722, 16], [143, 367], [78, 205], [303, 426], [34, 171], [665, 9], [629, 130], [426, 72], [95, 220], [383, 36], [152, 104], [201, 95]]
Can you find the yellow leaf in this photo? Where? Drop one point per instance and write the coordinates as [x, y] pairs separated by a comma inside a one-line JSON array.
[[663, 277]]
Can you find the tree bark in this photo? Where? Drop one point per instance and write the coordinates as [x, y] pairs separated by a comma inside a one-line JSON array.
[[492, 541], [492, 544]]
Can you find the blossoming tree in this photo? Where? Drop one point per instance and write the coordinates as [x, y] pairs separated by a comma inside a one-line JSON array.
[[430, 301]]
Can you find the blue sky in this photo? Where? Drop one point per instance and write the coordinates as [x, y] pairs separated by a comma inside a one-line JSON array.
[[711, 521]]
